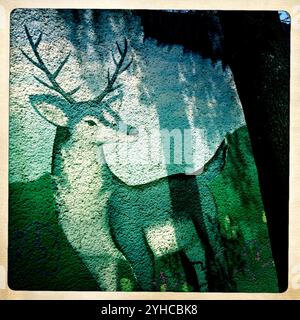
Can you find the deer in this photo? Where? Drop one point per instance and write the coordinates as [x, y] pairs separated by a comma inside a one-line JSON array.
[[95, 209]]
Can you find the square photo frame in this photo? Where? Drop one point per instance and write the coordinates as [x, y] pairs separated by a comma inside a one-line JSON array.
[[162, 128]]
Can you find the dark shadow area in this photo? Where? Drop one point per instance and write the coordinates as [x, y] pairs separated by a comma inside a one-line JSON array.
[[197, 31], [258, 51], [190, 272], [74, 19], [189, 200], [256, 45]]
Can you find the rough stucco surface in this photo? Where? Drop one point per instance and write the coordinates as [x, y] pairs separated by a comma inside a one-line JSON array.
[[96, 238], [165, 89]]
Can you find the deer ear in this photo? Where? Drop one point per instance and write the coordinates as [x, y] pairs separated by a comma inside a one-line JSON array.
[[216, 164], [51, 108]]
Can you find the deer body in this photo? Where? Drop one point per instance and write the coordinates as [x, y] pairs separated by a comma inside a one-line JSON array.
[[106, 232], [106, 221]]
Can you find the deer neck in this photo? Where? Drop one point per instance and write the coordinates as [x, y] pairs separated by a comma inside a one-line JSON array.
[[80, 165]]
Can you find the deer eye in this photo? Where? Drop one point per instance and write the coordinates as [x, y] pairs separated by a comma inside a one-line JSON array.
[[91, 123]]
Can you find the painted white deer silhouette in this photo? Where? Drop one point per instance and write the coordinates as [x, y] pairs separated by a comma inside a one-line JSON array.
[[95, 208]]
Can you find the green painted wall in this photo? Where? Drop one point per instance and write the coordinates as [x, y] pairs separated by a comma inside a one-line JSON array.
[[42, 259]]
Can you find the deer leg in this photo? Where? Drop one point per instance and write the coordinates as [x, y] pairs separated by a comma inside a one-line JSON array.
[[133, 245], [105, 271], [143, 267], [207, 220], [196, 256], [89, 235]]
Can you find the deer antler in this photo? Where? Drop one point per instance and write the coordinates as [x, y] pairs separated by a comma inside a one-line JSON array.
[[41, 65], [119, 70]]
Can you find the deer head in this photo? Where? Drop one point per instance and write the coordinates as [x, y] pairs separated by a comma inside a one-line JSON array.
[[93, 120]]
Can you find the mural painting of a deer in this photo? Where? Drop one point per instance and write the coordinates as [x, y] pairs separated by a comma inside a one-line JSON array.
[[95, 208]]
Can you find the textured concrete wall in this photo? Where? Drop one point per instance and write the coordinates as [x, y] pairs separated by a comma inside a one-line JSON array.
[[127, 223], [165, 88]]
